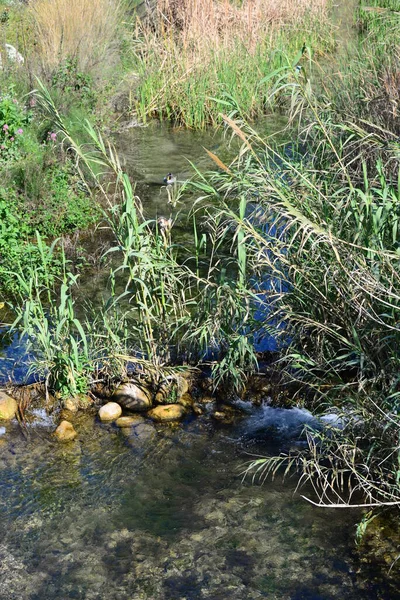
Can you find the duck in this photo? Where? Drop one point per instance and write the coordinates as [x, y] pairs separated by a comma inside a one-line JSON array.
[[169, 179], [164, 225]]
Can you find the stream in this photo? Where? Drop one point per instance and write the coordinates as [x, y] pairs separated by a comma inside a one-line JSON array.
[[162, 513]]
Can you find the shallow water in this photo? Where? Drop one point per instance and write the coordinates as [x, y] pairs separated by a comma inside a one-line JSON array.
[[162, 515]]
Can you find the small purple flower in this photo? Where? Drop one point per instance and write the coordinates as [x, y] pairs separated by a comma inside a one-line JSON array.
[[3, 147], [5, 127], [20, 131], [53, 136], [15, 101], [11, 139]]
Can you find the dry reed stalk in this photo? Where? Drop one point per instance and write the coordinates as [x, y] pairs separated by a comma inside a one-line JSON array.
[[220, 22], [84, 30]]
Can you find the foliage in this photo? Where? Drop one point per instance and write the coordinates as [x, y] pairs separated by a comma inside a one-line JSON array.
[[51, 328], [17, 251], [74, 84], [13, 120]]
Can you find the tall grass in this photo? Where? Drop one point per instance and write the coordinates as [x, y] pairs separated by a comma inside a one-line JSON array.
[[163, 308], [326, 241], [193, 52], [50, 328], [82, 30]]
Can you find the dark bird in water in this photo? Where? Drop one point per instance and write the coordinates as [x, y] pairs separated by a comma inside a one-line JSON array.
[[169, 179]]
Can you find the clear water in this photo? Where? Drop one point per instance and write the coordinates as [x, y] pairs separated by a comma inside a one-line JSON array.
[[163, 514]]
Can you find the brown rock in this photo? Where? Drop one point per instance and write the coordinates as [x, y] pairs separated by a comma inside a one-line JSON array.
[[133, 396], [70, 404], [110, 411], [65, 432], [167, 412], [129, 421], [81, 401], [186, 400], [226, 414], [8, 406], [206, 399]]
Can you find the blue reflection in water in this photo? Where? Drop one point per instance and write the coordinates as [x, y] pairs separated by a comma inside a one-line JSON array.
[[14, 359]]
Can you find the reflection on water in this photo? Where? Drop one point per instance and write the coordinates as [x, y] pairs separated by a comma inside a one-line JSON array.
[[117, 517]]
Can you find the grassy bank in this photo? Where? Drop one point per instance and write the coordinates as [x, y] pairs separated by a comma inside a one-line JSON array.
[[192, 56]]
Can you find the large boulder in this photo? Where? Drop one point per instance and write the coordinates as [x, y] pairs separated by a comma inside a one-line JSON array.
[[8, 406], [167, 412], [65, 432], [133, 396], [186, 400], [172, 389], [110, 412]]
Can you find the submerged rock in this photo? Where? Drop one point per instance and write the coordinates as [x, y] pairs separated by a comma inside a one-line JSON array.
[[110, 411], [129, 421], [133, 396], [8, 406], [167, 412], [227, 414], [142, 433], [74, 404], [65, 432]]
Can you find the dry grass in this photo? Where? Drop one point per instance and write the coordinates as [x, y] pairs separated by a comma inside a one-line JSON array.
[[84, 30], [190, 52], [220, 22]]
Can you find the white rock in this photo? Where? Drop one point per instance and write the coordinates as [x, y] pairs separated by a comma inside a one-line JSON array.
[[13, 54]]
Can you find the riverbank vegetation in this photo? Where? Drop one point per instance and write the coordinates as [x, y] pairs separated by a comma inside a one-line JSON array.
[[299, 241], [193, 52]]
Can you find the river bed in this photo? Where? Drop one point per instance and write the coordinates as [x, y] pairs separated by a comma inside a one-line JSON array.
[[163, 514]]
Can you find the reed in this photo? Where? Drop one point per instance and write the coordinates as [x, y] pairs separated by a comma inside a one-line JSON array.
[[322, 243], [194, 52], [163, 309]]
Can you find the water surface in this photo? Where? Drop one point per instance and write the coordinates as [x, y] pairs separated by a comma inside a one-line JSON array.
[[163, 514]]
